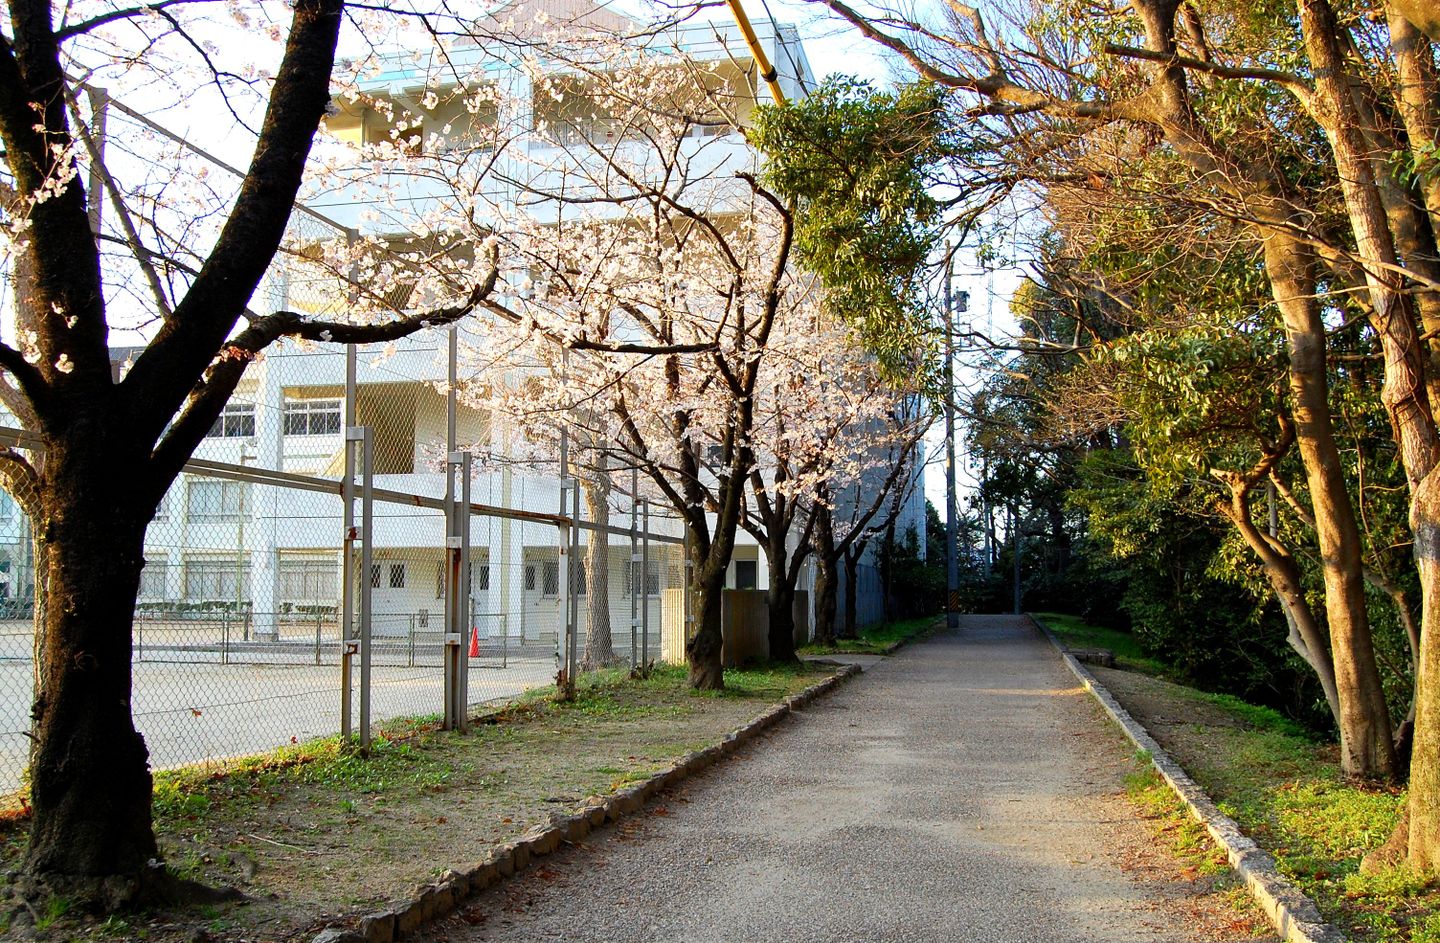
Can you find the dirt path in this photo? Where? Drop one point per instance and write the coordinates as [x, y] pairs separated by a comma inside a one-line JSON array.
[[965, 790]]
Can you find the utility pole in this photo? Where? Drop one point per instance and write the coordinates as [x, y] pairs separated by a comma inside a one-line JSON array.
[[1015, 539], [952, 516]]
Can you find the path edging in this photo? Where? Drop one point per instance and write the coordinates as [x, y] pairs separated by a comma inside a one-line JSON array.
[[430, 902], [1294, 915]]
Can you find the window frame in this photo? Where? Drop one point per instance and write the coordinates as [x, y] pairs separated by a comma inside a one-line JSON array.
[[236, 421], [223, 511], [310, 410]]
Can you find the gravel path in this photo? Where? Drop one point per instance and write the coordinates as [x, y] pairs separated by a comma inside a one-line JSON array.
[[965, 790]]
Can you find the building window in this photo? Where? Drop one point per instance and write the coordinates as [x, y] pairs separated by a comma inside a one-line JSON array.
[[530, 577], [480, 577], [153, 579], [162, 511], [217, 580], [312, 417], [652, 577], [746, 572], [236, 421], [551, 572], [308, 580], [396, 576], [214, 499]]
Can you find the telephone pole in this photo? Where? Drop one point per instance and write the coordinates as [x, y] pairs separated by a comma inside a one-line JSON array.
[[952, 511]]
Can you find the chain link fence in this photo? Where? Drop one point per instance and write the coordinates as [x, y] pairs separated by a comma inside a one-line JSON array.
[[240, 640], [269, 612]]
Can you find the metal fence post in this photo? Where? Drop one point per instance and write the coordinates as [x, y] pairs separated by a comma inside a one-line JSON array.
[[349, 584], [462, 597], [637, 584], [367, 542], [573, 614], [562, 609], [562, 559], [452, 654], [645, 584], [450, 631]]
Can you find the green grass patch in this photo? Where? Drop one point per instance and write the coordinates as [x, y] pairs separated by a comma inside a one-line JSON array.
[[878, 639], [1287, 792], [1172, 822], [1077, 633]]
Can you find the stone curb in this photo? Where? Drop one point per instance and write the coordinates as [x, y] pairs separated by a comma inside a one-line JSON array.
[[429, 902], [1294, 915]]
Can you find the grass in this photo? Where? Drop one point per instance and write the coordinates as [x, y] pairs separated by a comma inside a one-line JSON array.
[[1186, 837], [1286, 791], [317, 827], [877, 639], [1077, 633]]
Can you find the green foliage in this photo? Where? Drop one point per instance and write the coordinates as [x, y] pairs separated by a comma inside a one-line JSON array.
[[1199, 397], [1077, 633], [855, 162], [1287, 792], [875, 639], [917, 587], [55, 908]]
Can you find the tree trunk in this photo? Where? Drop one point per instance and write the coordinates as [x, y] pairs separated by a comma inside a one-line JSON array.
[[1423, 806], [1417, 97], [1365, 738], [827, 576], [780, 602], [599, 648], [1366, 747], [888, 570], [91, 833], [702, 653], [1307, 636], [851, 628]]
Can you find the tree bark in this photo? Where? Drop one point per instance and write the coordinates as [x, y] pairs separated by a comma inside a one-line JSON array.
[[827, 576], [1307, 636], [703, 651], [1417, 96], [91, 832], [599, 646], [780, 600], [1366, 746], [850, 628], [1423, 805]]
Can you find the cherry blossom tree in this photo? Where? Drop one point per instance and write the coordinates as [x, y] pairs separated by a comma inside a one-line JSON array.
[[831, 423], [645, 269], [179, 267]]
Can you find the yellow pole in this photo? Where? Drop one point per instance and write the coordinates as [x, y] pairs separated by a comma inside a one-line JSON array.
[[767, 71]]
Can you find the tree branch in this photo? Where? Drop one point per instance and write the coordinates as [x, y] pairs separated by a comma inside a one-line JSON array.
[[1289, 80], [165, 373], [85, 26]]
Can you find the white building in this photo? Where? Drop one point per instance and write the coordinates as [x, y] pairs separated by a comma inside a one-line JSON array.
[[270, 556]]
